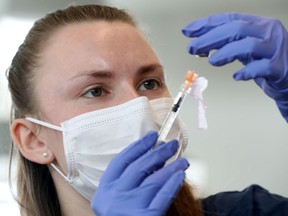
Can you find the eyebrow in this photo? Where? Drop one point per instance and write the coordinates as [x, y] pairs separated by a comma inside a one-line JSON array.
[[149, 68], [109, 74], [94, 73]]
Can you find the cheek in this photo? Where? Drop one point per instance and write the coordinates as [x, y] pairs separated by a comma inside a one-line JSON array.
[[164, 93], [55, 144]]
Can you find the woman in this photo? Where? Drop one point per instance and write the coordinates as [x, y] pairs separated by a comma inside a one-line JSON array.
[[85, 85], [75, 61]]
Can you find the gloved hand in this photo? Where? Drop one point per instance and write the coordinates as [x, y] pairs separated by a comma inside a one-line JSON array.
[[136, 183], [261, 44]]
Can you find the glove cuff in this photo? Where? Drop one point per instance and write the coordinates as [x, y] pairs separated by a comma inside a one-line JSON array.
[[279, 95]]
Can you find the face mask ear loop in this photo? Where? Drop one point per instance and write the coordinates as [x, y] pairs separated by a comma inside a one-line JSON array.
[[179, 152], [60, 172], [48, 125], [45, 124]]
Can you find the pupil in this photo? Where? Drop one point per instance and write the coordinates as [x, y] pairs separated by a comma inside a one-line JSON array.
[[149, 85], [96, 92]]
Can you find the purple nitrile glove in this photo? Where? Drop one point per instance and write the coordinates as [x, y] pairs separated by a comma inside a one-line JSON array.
[[136, 181], [261, 44]]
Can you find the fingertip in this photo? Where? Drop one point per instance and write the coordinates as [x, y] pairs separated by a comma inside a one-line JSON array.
[[241, 75], [184, 164], [215, 61], [236, 76], [186, 32], [150, 137], [180, 175], [152, 134], [190, 50], [220, 57], [174, 143], [193, 50]]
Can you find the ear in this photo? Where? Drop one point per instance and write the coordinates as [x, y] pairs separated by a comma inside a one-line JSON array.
[[34, 148]]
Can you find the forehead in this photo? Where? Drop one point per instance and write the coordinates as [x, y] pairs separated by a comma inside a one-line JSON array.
[[98, 30], [97, 34], [88, 43]]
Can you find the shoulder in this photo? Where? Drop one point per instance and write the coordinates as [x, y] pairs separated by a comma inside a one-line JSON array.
[[254, 200]]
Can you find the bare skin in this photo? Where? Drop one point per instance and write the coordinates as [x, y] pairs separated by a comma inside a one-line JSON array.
[[85, 67]]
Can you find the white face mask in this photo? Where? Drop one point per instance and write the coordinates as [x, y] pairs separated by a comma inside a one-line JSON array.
[[92, 139]]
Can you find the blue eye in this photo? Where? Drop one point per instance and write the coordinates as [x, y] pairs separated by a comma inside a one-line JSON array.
[[95, 92], [149, 85]]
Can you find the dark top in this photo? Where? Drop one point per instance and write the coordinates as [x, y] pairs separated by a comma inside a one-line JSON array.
[[253, 201]]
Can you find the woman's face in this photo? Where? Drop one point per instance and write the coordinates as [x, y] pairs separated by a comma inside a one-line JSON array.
[[90, 66]]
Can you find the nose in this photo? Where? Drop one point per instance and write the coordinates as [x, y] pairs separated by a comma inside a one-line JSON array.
[[128, 92]]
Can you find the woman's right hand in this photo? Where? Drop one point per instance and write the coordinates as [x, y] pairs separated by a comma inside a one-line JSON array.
[[136, 181]]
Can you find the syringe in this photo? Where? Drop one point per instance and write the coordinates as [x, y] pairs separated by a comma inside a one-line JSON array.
[[178, 101]]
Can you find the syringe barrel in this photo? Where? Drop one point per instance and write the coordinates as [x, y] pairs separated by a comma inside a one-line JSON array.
[[166, 126], [171, 116]]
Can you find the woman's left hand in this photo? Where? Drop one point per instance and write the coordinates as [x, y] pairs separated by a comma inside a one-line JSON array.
[[261, 44]]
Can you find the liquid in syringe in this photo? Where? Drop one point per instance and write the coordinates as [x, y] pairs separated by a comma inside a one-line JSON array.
[[178, 102]]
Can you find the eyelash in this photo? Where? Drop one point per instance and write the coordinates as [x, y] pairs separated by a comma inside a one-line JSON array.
[[158, 84], [103, 91], [89, 93]]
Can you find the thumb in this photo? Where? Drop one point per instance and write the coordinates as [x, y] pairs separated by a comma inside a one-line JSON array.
[[253, 70]]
